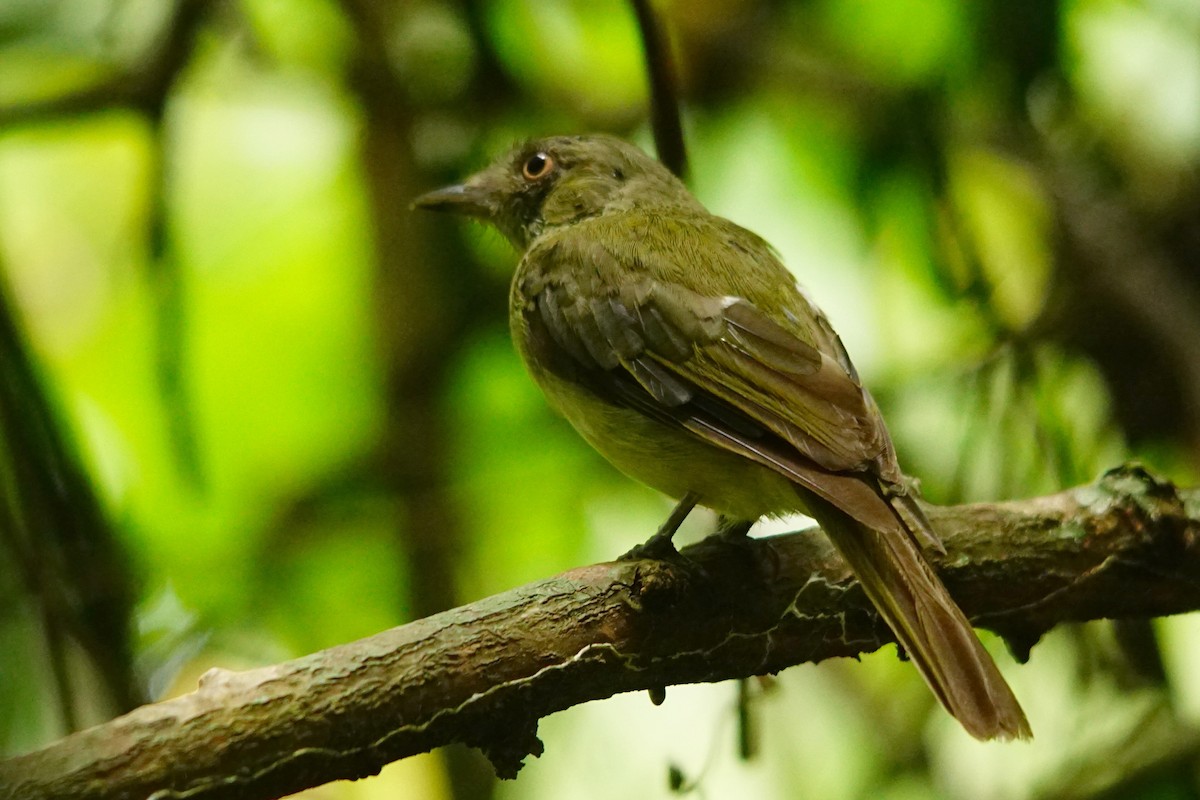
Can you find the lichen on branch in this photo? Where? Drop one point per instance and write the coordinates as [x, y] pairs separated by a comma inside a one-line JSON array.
[[483, 674]]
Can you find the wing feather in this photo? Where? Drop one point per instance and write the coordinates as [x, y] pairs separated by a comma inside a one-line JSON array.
[[754, 374]]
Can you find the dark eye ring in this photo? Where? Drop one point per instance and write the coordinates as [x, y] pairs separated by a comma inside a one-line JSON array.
[[537, 166]]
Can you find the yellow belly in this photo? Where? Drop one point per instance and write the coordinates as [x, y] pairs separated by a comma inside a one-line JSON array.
[[672, 460]]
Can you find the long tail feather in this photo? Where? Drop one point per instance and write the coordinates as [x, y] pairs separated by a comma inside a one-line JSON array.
[[926, 621]]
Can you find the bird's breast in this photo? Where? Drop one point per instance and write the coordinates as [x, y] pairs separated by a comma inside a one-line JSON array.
[[669, 458]]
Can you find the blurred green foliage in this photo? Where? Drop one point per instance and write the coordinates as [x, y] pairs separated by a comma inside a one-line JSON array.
[[978, 194]]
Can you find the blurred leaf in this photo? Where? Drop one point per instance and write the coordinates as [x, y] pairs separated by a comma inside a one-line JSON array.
[[310, 33], [336, 582], [921, 327], [433, 52], [903, 42], [585, 53], [1005, 213], [1137, 68], [169, 638], [524, 472]]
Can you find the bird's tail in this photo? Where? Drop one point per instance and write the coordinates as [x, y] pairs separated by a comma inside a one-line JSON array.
[[926, 621]]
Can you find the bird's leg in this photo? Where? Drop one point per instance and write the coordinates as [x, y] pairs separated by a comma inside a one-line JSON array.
[[731, 528], [733, 533], [659, 546]]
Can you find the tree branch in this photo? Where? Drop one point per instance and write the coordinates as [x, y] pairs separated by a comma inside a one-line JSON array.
[[144, 85], [1127, 546], [665, 118]]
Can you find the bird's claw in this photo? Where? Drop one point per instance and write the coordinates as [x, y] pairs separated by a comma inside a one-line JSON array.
[[657, 548]]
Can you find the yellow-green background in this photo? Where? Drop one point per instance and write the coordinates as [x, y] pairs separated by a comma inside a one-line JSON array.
[[913, 162]]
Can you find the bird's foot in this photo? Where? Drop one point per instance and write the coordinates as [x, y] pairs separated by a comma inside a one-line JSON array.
[[731, 541], [733, 530], [658, 547]]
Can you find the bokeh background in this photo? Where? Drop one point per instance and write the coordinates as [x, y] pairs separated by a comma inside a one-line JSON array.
[[252, 406]]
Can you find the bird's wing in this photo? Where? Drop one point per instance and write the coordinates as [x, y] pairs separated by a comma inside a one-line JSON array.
[[717, 366]]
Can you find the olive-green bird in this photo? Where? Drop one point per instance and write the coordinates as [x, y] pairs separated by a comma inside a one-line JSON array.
[[682, 349]]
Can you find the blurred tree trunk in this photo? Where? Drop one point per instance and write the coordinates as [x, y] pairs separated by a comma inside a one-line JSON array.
[[422, 292]]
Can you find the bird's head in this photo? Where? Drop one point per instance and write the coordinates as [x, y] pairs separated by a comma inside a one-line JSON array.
[[548, 182]]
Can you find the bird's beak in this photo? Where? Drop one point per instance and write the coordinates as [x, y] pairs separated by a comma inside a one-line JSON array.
[[469, 199]]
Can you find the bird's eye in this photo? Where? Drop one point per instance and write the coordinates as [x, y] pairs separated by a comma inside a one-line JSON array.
[[537, 166]]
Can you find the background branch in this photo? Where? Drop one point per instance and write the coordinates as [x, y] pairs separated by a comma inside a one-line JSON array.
[[664, 95], [1127, 546], [144, 85]]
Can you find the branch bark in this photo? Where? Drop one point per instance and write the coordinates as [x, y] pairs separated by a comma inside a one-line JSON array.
[[1127, 546]]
